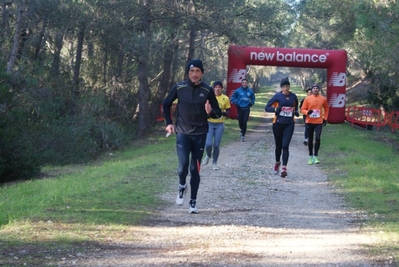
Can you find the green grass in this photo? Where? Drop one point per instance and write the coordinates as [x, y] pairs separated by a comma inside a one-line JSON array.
[[364, 166], [100, 193], [78, 207]]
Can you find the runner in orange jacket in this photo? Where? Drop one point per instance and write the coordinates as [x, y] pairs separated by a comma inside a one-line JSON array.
[[316, 109]]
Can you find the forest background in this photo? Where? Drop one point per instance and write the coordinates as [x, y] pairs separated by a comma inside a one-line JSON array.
[[80, 77]]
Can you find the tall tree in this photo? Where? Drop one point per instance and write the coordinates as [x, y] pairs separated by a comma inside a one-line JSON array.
[[374, 50], [21, 9], [143, 57]]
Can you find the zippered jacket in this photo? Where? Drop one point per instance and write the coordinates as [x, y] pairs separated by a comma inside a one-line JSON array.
[[191, 116], [243, 98]]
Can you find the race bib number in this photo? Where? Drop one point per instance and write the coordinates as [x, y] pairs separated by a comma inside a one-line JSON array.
[[286, 111], [315, 113]]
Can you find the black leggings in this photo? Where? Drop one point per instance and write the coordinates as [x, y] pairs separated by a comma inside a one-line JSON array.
[[314, 128], [186, 145], [243, 116], [282, 137], [306, 128]]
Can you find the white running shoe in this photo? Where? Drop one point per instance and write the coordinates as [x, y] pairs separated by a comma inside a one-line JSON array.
[[193, 207], [205, 160], [180, 195], [215, 167]]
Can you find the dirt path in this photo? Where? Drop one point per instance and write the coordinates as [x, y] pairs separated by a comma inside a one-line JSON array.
[[250, 217]]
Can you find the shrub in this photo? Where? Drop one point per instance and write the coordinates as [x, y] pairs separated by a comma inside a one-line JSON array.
[[18, 158]]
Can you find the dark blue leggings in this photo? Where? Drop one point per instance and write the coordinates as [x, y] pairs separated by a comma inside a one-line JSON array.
[[186, 144], [282, 137]]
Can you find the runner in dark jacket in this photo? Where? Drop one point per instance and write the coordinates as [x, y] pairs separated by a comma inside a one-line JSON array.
[[285, 106], [191, 126]]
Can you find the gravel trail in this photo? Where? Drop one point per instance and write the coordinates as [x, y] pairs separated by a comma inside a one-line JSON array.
[[248, 216]]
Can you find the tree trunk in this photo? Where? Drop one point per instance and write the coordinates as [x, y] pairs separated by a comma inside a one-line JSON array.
[[191, 46], [55, 65], [164, 83], [105, 60], [16, 41], [78, 61], [255, 84], [144, 120], [40, 39], [119, 62]]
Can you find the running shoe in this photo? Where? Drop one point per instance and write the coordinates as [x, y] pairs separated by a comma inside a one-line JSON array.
[[215, 167], [193, 207], [242, 138], [316, 160], [305, 142], [205, 160], [283, 171], [277, 167], [310, 160], [180, 195]]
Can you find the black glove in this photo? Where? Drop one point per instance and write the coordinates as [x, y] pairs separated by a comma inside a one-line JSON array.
[[310, 112], [224, 114], [324, 122], [296, 114], [213, 115], [277, 111]]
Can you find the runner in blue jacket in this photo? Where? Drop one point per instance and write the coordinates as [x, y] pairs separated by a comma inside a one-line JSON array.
[[243, 98]]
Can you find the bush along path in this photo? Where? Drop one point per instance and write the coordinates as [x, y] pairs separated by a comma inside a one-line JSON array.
[[248, 216]]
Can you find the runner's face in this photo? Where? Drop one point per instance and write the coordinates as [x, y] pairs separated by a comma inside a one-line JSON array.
[[195, 74], [285, 89], [244, 84], [218, 90], [315, 90]]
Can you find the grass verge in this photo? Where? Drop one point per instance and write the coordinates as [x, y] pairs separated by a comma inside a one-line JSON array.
[[364, 165], [81, 207]]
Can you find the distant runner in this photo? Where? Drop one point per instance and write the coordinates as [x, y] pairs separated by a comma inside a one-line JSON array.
[[316, 108]]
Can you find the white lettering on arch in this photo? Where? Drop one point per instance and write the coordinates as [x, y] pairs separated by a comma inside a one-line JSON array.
[[288, 57]]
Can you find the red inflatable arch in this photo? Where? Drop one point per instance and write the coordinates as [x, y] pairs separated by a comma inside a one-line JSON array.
[[333, 60]]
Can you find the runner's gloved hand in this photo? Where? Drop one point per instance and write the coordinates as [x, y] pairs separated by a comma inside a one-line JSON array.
[[324, 122], [213, 115], [310, 112], [296, 114], [277, 111]]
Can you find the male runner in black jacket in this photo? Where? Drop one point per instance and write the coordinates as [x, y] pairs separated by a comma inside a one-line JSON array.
[[196, 102]]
